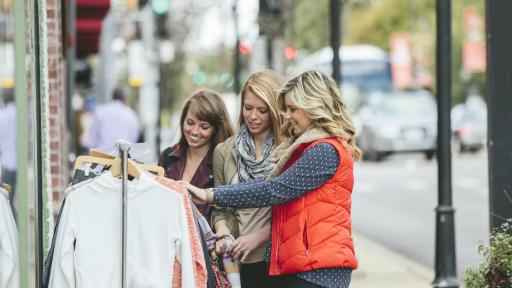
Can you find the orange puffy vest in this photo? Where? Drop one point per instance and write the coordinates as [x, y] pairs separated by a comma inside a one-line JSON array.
[[315, 231]]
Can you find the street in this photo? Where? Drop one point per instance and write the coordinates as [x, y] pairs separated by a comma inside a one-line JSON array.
[[394, 202]]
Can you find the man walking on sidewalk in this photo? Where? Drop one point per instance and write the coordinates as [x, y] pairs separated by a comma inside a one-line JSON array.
[[114, 121]]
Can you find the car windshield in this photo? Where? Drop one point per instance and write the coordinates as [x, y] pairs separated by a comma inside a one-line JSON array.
[[367, 76], [407, 105]]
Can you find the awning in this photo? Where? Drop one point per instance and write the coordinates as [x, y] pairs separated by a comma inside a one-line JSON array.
[[89, 17]]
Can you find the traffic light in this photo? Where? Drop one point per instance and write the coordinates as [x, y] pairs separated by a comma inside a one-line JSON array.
[[290, 52], [244, 48], [160, 6]]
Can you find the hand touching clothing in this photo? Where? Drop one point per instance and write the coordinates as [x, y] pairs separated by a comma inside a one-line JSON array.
[[199, 196], [242, 246]]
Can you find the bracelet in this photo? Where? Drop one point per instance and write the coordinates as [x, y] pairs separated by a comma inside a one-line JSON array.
[[209, 195]]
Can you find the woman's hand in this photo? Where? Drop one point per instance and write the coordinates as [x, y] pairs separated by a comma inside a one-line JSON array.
[[220, 244], [244, 245], [198, 195]]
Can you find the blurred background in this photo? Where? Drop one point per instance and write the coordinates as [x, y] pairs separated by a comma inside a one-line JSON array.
[[161, 51]]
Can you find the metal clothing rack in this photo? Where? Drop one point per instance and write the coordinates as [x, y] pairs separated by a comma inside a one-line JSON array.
[[124, 147]]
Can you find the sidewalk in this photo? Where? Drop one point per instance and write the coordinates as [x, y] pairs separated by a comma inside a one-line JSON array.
[[380, 267]]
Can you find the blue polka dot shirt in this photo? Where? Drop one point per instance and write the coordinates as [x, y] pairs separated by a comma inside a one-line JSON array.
[[315, 167]]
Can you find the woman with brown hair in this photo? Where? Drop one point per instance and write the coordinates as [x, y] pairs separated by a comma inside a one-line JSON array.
[[204, 123]]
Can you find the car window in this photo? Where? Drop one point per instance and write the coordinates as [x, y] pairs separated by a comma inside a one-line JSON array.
[[408, 105]]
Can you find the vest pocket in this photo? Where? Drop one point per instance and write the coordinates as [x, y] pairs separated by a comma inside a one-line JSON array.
[[305, 237]]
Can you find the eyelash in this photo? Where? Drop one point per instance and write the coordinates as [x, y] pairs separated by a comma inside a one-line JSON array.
[[261, 111]]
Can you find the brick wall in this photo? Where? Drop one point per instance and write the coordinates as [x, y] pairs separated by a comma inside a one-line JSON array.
[[59, 138]]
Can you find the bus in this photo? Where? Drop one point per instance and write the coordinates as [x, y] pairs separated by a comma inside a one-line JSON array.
[[365, 70]]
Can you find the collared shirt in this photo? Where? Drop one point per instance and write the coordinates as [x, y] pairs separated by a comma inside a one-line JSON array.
[[173, 161], [8, 136], [114, 121]]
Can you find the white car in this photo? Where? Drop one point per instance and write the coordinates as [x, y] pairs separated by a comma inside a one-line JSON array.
[[404, 121]]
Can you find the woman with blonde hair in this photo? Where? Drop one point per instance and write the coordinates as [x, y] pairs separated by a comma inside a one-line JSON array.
[[309, 188], [243, 157]]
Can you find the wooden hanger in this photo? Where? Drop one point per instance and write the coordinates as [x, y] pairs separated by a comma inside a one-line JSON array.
[[80, 160], [107, 159], [133, 168], [147, 167], [6, 187], [96, 153]]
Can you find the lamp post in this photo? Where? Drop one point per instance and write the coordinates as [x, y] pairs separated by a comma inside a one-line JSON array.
[[237, 67], [445, 261], [335, 39]]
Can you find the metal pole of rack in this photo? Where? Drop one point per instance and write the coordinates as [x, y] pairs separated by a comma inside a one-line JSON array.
[[124, 147]]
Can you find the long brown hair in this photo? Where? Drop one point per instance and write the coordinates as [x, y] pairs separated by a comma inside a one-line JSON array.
[[265, 84], [208, 106]]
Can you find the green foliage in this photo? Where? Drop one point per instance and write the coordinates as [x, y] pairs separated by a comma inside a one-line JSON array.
[[496, 269], [310, 24], [374, 24]]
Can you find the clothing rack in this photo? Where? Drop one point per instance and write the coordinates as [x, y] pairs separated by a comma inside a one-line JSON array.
[[124, 147]]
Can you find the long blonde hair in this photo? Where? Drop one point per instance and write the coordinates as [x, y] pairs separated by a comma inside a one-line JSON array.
[[318, 95], [265, 84]]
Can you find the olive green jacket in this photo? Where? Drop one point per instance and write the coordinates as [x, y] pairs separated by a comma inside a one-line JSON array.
[[240, 221]]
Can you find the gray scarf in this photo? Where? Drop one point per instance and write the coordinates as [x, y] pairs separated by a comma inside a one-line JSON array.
[[248, 167]]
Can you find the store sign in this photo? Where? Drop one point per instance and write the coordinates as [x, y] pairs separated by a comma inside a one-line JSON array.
[[401, 60], [473, 54]]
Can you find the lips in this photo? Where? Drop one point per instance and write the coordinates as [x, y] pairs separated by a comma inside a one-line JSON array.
[[253, 126], [194, 138]]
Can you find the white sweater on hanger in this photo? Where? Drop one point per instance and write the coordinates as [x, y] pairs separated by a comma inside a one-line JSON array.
[[88, 244], [9, 268]]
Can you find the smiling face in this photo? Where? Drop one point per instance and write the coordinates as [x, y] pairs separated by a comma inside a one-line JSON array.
[[256, 114], [197, 133], [297, 117]]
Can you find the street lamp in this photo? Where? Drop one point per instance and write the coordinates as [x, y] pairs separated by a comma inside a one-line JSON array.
[[445, 261]]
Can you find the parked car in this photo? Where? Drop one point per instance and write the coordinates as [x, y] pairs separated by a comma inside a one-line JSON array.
[[469, 124], [404, 121]]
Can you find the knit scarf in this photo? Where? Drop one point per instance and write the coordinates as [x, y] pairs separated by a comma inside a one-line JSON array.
[[283, 152], [248, 166]]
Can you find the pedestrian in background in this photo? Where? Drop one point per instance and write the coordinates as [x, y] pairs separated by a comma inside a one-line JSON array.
[[204, 123], [243, 157], [114, 121], [309, 189], [8, 144]]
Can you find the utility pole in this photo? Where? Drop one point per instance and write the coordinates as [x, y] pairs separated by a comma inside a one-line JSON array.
[[445, 261], [335, 39], [499, 105], [237, 67]]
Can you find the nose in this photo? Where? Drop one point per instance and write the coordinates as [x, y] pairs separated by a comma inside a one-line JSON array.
[[253, 114], [287, 114], [195, 129]]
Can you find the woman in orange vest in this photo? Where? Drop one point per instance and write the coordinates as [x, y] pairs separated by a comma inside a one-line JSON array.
[[309, 189]]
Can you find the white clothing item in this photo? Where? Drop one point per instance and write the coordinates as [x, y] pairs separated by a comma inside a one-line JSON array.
[[9, 268], [88, 244], [113, 121], [8, 136]]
